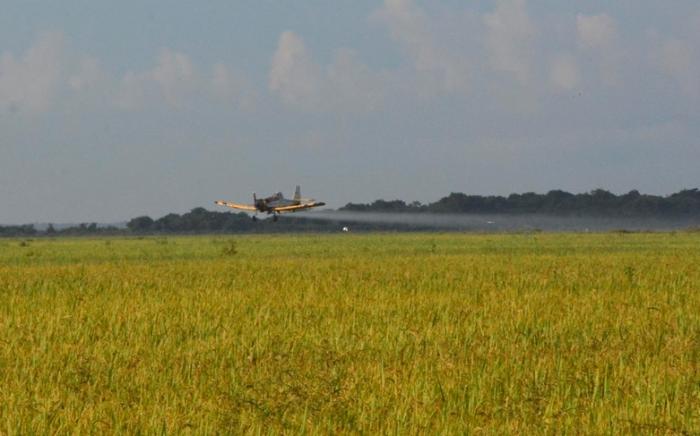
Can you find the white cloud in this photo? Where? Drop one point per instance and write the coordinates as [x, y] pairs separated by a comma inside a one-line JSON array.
[[595, 31], [173, 78], [228, 85], [564, 72], [175, 75], [224, 84], [293, 74], [510, 38], [30, 81], [443, 66], [346, 84], [678, 59], [676, 53], [177, 81], [455, 51], [597, 35], [88, 76]]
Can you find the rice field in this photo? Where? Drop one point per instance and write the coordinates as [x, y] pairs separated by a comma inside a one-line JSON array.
[[384, 333]]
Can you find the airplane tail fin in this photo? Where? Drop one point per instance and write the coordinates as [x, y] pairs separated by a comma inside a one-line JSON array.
[[297, 193]]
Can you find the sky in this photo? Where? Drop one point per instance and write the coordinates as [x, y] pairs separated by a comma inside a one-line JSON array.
[[111, 110]]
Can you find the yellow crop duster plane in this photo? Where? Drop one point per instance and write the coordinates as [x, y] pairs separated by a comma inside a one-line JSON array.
[[275, 204]]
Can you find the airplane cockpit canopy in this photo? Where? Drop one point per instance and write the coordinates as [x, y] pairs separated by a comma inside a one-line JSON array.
[[274, 197]]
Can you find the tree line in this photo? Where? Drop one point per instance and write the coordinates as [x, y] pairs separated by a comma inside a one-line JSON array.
[[597, 203], [76, 230]]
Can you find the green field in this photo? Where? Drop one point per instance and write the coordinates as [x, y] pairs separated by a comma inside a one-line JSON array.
[[389, 333]]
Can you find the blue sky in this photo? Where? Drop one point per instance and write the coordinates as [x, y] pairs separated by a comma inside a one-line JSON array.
[[110, 110]]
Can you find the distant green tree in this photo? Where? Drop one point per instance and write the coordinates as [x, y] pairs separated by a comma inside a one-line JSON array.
[[140, 224], [171, 222], [598, 202]]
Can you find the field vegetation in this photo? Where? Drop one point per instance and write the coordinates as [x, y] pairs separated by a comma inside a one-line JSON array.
[[382, 333]]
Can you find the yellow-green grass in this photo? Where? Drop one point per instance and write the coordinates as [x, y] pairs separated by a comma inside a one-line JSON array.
[[391, 333]]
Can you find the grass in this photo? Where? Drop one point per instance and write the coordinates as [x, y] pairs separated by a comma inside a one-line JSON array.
[[389, 333]]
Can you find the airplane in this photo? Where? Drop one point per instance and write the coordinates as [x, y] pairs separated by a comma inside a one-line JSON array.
[[275, 204]]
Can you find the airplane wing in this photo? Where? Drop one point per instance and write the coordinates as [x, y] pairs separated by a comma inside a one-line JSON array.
[[298, 207], [248, 207]]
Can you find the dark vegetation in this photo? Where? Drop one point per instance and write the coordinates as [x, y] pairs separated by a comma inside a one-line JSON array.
[[596, 204]]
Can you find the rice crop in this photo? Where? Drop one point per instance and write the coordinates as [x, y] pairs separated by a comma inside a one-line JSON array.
[[352, 333]]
